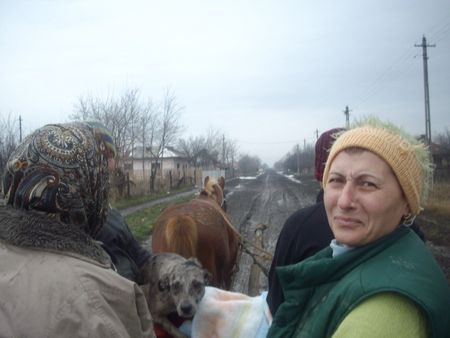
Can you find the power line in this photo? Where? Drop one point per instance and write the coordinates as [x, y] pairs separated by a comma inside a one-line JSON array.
[[268, 142], [311, 138], [374, 86], [438, 32]]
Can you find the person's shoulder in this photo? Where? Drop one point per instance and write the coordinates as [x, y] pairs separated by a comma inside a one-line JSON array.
[[114, 218], [99, 276], [114, 228], [306, 227], [386, 314], [304, 214]]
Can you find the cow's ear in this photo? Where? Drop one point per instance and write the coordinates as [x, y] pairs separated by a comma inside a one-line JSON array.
[[163, 283], [205, 182]]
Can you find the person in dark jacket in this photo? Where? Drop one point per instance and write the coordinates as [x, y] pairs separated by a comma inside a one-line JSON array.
[[127, 254]]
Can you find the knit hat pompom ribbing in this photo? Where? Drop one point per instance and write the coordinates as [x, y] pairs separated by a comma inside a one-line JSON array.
[[407, 159]]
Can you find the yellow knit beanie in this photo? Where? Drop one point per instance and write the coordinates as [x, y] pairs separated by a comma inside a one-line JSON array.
[[405, 156]]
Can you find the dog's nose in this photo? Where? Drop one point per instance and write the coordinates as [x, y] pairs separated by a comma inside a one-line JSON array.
[[186, 309]]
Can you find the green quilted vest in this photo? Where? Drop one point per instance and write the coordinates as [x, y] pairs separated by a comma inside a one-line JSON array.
[[320, 291]]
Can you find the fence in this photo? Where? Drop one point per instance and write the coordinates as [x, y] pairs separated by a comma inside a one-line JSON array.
[[135, 185]]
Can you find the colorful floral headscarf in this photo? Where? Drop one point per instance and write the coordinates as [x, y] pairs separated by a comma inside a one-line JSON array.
[[62, 169]]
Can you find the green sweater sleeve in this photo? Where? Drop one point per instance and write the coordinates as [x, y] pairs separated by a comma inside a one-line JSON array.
[[384, 315]]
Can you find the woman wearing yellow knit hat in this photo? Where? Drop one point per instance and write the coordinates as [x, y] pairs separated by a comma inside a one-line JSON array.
[[377, 278]]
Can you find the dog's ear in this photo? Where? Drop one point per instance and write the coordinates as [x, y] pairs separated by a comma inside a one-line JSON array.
[[207, 276], [164, 283], [193, 261]]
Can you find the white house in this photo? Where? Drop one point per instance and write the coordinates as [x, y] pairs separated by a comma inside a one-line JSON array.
[[172, 162]]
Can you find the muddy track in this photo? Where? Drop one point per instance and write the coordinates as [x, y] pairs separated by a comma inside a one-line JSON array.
[[268, 199]]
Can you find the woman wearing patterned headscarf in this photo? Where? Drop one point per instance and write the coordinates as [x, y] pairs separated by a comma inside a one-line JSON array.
[[55, 280]]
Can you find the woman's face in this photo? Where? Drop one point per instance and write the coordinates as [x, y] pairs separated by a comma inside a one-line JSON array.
[[363, 198]]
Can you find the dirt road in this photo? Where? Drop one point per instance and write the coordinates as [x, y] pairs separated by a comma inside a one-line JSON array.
[[267, 199]]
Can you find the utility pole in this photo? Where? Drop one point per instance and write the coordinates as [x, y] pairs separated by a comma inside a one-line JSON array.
[[223, 151], [347, 117], [317, 134], [426, 90], [20, 128]]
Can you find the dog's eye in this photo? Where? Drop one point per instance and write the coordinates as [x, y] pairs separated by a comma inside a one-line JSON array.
[[196, 285], [176, 287]]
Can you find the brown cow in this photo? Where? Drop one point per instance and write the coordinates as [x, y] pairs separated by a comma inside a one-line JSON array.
[[200, 228]]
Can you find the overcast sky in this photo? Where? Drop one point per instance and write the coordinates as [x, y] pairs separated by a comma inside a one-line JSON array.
[[266, 73]]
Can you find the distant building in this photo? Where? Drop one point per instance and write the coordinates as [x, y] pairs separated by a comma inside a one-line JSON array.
[[172, 169], [140, 162]]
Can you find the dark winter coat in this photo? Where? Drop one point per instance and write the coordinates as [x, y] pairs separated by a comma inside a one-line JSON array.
[[127, 255], [304, 233]]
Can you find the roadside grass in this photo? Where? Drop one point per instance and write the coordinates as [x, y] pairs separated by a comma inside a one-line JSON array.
[[136, 200], [434, 221], [141, 222]]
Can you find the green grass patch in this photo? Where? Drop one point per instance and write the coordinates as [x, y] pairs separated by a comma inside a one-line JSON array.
[[136, 200], [141, 222]]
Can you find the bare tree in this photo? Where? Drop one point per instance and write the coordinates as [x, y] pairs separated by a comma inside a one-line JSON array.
[[147, 130], [9, 140], [192, 149], [131, 121], [210, 150], [249, 165], [443, 138], [168, 132], [120, 116], [300, 159], [229, 152]]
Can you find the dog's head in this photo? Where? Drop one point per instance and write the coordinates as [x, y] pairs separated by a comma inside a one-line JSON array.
[[185, 286]]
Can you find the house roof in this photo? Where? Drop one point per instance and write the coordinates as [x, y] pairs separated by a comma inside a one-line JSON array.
[[169, 152]]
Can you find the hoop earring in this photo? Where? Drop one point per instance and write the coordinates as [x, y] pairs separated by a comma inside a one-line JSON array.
[[408, 219]]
